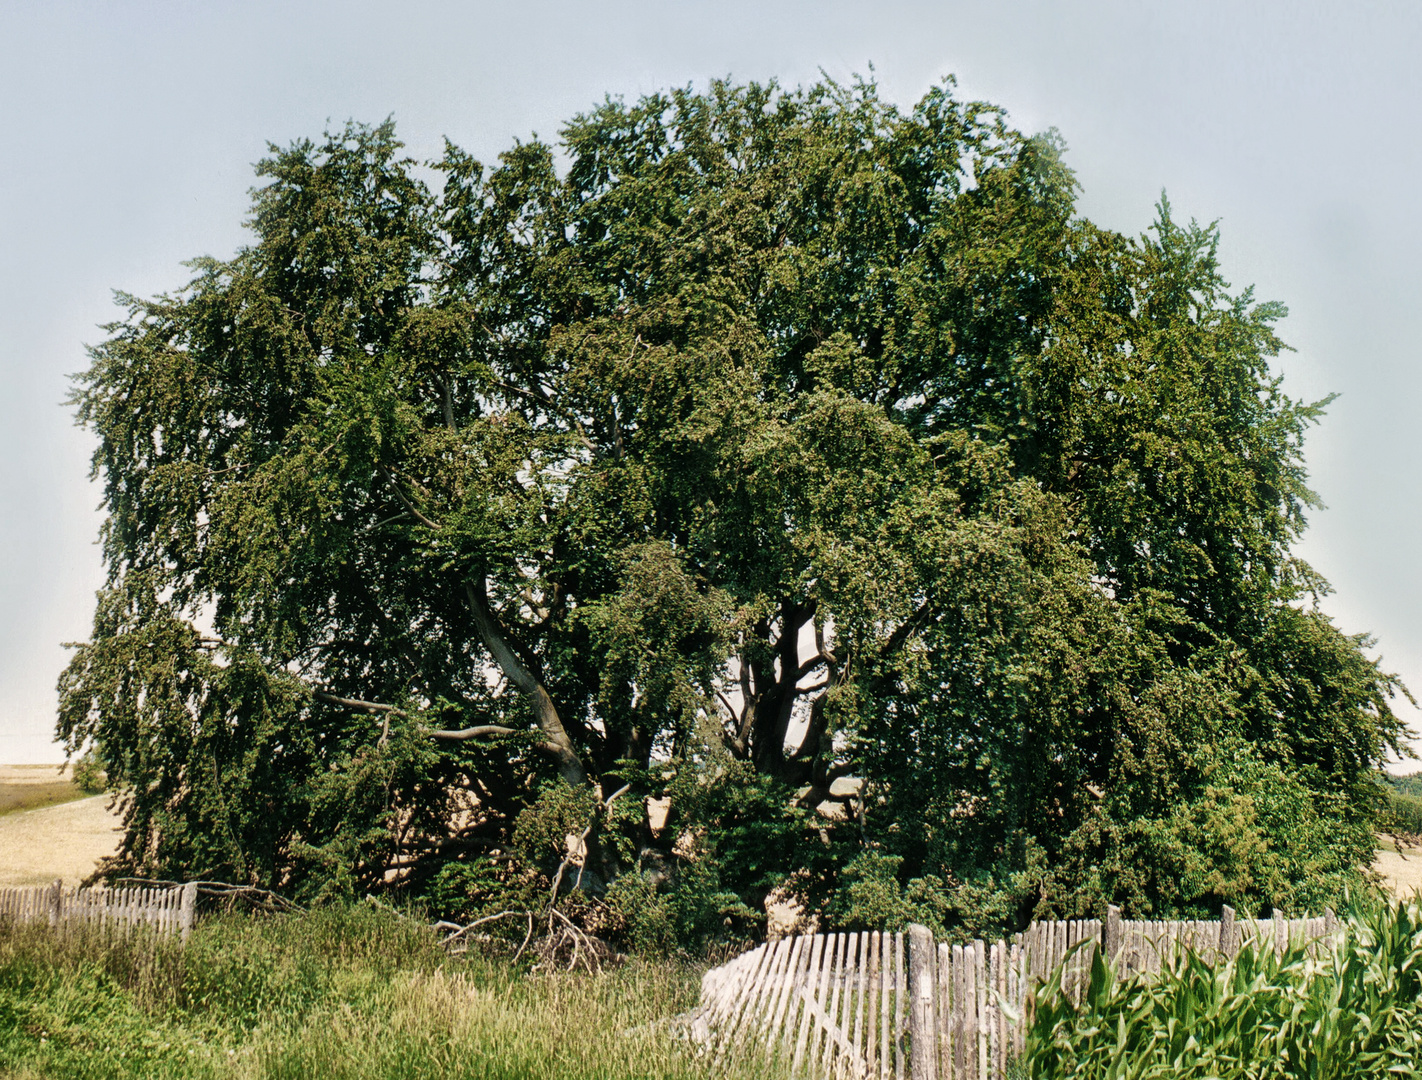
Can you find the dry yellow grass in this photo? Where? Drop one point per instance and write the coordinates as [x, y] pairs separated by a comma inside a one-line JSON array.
[[54, 841], [1400, 866]]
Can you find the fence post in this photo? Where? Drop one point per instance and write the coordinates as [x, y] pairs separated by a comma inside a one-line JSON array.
[[56, 901], [1330, 925], [1111, 933], [188, 912], [1228, 945], [923, 1031]]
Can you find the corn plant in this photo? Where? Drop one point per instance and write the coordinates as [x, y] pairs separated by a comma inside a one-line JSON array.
[[1348, 1011]]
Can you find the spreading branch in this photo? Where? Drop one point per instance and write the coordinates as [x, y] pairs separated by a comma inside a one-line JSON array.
[[555, 735], [405, 500], [479, 731]]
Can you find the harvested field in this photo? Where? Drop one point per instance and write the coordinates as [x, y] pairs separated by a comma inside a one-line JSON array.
[[1399, 865], [49, 829]]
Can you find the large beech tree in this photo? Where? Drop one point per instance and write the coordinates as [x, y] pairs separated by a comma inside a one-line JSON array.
[[773, 437]]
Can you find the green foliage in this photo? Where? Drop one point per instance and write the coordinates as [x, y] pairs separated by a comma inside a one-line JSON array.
[[1353, 1013], [782, 436], [648, 916], [870, 896], [472, 888], [1249, 834], [88, 774], [686, 913], [744, 824], [1408, 785], [542, 829], [739, 837]]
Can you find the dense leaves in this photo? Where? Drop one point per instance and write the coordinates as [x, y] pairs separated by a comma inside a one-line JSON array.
[[780, 438]]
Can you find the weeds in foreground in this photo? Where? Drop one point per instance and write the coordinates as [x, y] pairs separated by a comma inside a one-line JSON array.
[[343, 993], [1351, 1012]]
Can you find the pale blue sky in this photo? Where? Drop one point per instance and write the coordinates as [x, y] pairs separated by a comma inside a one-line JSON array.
[[127, 133]]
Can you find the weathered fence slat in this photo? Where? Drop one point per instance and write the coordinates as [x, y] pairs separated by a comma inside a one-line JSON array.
[[959, 1020], [816, 947], [943, 1015], [819, 1033], [838, 1006], [879, 1003], [923, 1034], [779, 992], [748, 1015], [164, 910]]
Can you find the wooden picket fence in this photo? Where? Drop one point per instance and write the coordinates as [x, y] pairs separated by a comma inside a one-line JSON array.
[[822, 1005], [849, 1007], [165, 910]]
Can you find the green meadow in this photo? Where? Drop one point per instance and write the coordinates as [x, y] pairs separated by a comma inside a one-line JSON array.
[[347, 992]]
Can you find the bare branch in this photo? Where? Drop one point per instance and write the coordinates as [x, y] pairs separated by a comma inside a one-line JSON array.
[[385, 711], [460, 931], [356, 703], [476, 732], [526, 938], [824, 654], [404, 500], [388, 710], [726, 702], [386, 521], [446, 400], [813, 662], [556, 735]]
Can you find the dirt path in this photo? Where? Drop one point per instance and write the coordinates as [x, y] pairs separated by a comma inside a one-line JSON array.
[[65, 841]]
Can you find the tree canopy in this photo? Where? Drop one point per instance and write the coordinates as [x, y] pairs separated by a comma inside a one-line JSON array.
[[766, 450]]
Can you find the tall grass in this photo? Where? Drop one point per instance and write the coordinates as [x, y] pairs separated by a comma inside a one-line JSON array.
[[1353, 1012], [349, 993]]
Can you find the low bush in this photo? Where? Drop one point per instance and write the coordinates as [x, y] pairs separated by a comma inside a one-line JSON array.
[[89, 776]]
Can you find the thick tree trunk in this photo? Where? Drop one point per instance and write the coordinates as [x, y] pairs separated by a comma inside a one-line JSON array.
[[776, 705]]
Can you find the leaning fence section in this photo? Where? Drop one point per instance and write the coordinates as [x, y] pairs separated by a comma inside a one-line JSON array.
[[165, 910], [817, 1005], [866, 1005]]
